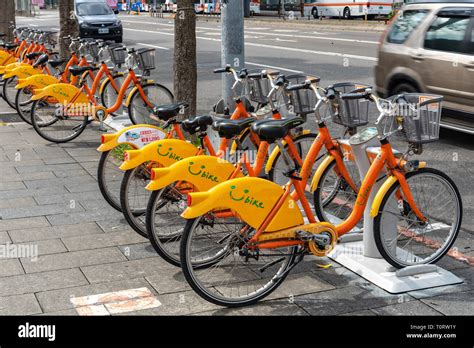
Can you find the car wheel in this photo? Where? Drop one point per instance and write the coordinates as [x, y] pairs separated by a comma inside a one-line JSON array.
[[118, 40], [347, 13], [314, 12], [404, 87]]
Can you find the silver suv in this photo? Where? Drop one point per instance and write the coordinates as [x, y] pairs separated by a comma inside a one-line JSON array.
[[429, 48]]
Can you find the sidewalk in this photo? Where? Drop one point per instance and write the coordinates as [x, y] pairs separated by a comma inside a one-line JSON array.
[[50, 202]]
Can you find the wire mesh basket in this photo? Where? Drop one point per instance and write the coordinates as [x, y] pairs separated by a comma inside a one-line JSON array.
[[118, 55], [258, 86], [417, 115], [146, 58], [349, 112], [302, 101]]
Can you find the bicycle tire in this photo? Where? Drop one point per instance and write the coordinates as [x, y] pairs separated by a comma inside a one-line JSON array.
[[136, 94], [7, 87], [20, 107], [104, 92], [378, 219], [38, 128]]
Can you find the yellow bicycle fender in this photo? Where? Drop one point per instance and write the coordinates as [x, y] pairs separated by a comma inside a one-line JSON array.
[[39, 81], [7, 58], [165, 152], [64, 93], [276, 151], [204, 172], [389, 182], [22, 72], [129, 97], [252, 199], [102, 86], [319, 172], [136, 136]]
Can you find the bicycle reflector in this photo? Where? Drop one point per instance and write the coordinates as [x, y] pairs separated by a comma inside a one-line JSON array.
[[152, 175], [126, 156], [189, 200], [102, 139]]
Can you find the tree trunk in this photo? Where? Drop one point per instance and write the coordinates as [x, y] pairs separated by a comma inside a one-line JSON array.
[[68, 25], [302, 8], [7, 15], [185, 69]]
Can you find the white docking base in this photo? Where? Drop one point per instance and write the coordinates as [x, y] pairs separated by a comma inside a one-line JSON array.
[[382, 274]]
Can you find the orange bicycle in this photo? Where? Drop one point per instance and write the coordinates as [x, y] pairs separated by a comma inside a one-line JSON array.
[[417, 211]]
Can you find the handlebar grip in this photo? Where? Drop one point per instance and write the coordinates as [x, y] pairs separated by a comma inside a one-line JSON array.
[[330, 94], [298, 86], [220, 70], [351, 96]]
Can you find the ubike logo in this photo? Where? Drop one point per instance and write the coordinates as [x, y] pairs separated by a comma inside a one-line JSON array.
[[363, 196], [168, 153], [202, 173], [58, 90], [245, 198]]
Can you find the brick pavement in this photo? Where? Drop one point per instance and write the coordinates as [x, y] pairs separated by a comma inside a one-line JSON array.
[[86, 248]]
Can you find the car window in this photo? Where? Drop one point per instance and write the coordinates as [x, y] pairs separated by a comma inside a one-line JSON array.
[[406, 22], [447, 33], [93, 9]]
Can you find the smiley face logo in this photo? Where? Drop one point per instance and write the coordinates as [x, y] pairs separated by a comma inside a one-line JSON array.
[[193, 172], [233, 187], [165, 154]]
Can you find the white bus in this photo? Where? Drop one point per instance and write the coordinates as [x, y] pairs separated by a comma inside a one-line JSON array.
[[347, 8]]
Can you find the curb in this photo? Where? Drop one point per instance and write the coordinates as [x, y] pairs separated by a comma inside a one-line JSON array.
[[9, 117]]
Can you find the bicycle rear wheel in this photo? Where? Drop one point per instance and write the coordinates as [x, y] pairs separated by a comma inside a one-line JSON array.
[[50, 124], [229, 274], [139, 111], [9, 91], [110, 176], [23, 104], [401, 237]]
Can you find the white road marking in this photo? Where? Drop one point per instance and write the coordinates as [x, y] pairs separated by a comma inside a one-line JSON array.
[[282, 48], [275, 67], [286, 30], [281, 34], [153, 46]]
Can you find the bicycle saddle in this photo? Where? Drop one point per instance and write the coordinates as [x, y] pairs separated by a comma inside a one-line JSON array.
[[78, 70], [41, 60], [10, 46], [231, 128], [165, 112], [33, 55], [198, 123], [272, 130], [56, 62]]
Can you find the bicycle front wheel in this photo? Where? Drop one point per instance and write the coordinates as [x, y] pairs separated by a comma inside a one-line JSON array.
[[109, 94], [404, 239], [9, 91], [139, 110], [234, 275], [50, 124]]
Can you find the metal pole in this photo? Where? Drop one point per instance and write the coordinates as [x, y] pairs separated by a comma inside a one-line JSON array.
[[232, 45]]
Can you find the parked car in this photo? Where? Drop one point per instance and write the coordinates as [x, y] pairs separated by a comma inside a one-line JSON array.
[[97, 20], [429, 48]]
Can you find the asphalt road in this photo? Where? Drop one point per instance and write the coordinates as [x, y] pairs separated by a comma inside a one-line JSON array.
[[334, 55]]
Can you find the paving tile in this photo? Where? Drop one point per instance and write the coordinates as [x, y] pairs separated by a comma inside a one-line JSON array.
[[48, 168], [406, 308], [30, 283], [4, 238], [71, 174], [56, 300], [66, 312], [80, 179], [17, 224], [138, 251], [126, 270], [266, 308], [340, 277], [72, 259], [74, 187], [346, 300], [456, 303], [39, 210], [45, 247], [19, 305], [82, 217], [68, 197], [365, 312], [28, 176], [59, 160], [17, 202], [10, 186], [114, 225], [102, 240], [53, 232], [169, 282], [46, 191], [183, 303], [10, 267]]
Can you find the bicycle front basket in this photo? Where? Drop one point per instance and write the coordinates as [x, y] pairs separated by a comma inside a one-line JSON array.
[[146, 58], [118, 55], [421, 115], [303, 100], [349, 112]]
